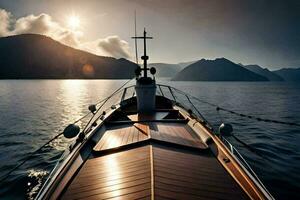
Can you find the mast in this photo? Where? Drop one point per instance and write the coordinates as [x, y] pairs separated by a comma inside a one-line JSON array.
[[135, 40], [144, 57], [145, 86]]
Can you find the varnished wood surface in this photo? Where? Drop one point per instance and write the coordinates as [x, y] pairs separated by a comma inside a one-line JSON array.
[[153, 171], [233, 167], [124, 175], [176, 133], [179, 174], [121, 135]]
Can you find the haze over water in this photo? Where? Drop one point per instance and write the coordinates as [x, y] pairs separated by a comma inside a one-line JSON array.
[[33, 111]]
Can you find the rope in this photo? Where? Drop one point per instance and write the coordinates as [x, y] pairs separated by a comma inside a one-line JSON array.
[[102, 100], [251, 149], [115, 91], [81, 118], [218, 108], [257, 118], [105, 100], [4, 177]]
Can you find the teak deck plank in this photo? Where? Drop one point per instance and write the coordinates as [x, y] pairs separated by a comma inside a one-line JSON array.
[[141, 195], [103, 190], [120, 193], [176, 133], [84, 186], [172, 175], [120, 136], [151, 170], [113, 176]]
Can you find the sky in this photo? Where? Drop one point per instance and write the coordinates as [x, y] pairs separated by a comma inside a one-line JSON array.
[[263, 32]]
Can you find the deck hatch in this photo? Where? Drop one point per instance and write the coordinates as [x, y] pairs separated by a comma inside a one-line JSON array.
[[120, 135]]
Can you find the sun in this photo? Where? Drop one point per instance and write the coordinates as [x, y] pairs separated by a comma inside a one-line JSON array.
[[74, 22]]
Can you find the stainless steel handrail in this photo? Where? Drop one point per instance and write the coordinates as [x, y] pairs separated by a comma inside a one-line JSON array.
[[234, 152], [173, 93], [107, 101], [66, 156], [245, 164], [187, 97]]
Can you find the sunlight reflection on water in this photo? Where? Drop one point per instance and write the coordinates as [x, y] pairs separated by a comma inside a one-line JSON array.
[[33, 111], [73, 93], [35, 181]]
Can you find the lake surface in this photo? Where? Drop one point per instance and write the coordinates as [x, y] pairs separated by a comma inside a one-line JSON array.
[[33, 111]]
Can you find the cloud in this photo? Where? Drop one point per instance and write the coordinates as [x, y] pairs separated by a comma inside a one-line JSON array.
[[44, 24], [113, 45], [110, 46], [70, 38], [41, 24], [4, 22], [37, 24]]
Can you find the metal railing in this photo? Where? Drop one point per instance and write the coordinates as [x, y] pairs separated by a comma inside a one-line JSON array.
[[179, 97], [241, 160], [188, 101], [110, 103], [182, 99]]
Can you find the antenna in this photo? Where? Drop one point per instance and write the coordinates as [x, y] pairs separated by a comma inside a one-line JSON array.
[[144, 57], [135, 41]]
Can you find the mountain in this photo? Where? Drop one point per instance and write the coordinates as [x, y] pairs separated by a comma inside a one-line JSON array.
[[289, 74], [185, 64], [219, 69], [264, 72], [165, 70], [38, 56]]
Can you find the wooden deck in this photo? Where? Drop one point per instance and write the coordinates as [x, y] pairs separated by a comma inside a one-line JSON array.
[[117, 136], [184, 175], [159, 169], [153, 172], [126, 174], [121, 135], [176, 133]]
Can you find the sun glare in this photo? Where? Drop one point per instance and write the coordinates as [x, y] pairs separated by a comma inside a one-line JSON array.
[[74, 22]]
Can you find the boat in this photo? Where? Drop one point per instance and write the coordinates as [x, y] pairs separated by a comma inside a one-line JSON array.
[[149, 141]]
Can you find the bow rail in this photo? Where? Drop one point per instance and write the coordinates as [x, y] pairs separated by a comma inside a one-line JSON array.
[[179, 98]]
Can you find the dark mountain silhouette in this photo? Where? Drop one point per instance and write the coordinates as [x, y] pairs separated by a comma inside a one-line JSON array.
[[219, 69], [289, 74], [185, 64], [264, 72], [37, 56], [166, 70]]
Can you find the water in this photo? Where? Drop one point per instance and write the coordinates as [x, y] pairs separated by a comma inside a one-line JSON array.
[[33, 111]]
